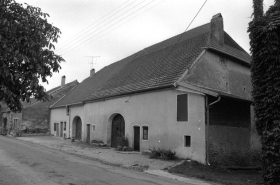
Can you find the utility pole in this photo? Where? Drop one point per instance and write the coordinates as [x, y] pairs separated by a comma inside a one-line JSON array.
[[91, 61]]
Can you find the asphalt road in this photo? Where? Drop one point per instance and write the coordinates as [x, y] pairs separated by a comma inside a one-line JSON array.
[[28, 163]]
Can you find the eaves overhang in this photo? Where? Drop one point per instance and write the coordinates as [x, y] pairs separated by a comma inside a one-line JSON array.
[[211, 92], [197, 88], [128, 93], [68, 105]]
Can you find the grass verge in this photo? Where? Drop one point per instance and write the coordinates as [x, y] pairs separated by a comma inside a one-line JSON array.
[[218, 174]]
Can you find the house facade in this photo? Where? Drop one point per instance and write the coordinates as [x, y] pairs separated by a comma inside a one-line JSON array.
[[36, 114], [189, 94]]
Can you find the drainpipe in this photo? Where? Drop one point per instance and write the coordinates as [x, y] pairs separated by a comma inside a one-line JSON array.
[[208, 106], [69, 115]]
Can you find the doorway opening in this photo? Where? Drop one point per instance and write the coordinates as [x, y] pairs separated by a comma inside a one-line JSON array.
[[118, 130], [77, 128], [136, 131]]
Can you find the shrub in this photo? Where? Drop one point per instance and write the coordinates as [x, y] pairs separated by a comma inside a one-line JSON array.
[[156, 153], [122, 141], [124, 148], [162, 154], [168, 155]]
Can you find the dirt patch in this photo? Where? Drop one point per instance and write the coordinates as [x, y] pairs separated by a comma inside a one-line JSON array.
[[218, 174]]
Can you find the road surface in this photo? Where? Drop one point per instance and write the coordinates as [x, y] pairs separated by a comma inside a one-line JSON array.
[[28, 163]]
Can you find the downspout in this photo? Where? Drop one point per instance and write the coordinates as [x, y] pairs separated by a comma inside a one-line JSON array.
[[69, 115], [207, 125]]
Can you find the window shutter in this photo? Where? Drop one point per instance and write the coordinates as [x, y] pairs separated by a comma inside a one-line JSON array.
[[182, 107]]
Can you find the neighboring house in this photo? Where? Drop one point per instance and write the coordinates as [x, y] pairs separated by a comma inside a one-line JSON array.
[[189, 93], [36, 114]]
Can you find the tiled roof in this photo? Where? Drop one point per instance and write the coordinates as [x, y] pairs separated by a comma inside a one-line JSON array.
[[50, 92], [159, 69], [91, 84], [157, 66]]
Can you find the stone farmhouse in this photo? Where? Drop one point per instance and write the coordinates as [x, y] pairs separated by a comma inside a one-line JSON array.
[[189, 93]]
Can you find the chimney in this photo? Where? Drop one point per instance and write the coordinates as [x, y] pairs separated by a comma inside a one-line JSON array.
[[63, 81], [92, 72], [217, 28]]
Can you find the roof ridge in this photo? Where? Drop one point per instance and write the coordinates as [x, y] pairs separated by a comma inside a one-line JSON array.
[[60, 88], [110, 87], [197, 36], [52, 92], [53, 105], [178, 41]]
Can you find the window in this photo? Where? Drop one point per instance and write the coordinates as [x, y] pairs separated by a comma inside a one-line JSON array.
[[187, 141], [64, 125], [93, 127], [182, 107], [145, 132], [54, 126]]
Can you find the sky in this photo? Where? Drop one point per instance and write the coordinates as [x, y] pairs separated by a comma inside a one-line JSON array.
[[105, 31]]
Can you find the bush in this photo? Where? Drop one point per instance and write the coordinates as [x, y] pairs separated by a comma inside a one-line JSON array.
[[168, 155], [124, 148], [122, 141], [156, 153], [162, 154]]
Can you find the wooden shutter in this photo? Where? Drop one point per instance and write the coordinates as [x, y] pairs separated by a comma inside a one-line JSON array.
[[182, 107]]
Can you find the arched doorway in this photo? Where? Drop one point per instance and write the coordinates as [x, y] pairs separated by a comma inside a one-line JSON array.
[[77, 128], [118, 129]]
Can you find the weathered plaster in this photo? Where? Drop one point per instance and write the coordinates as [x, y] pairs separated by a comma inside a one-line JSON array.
[[59, 115], [222, 73], [157, 110]]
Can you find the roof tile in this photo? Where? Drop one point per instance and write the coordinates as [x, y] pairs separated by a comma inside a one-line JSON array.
[[156, 66]]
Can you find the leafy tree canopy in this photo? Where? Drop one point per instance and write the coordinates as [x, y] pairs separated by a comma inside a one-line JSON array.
[[26, 53]]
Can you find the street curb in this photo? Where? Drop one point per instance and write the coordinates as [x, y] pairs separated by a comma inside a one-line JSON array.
[[179, 178]]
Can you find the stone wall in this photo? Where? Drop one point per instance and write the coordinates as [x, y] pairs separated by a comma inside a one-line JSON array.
[[229, 133]]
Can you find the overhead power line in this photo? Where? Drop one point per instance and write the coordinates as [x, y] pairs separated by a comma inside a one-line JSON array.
[[171, 50], [128, 20], [91, 25], [186, 29], [100, 26], [102, 31]]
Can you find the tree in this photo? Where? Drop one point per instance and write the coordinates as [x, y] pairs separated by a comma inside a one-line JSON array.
[[265, 48], [26, 53]]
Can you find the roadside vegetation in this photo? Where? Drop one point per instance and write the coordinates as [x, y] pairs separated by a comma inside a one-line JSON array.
[[247, 176]]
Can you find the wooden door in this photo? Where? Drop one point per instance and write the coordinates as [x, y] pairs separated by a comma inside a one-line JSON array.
[[79, 129], [61, 129], [118, 129], [136, 138], [88, 133], [57, 129]]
